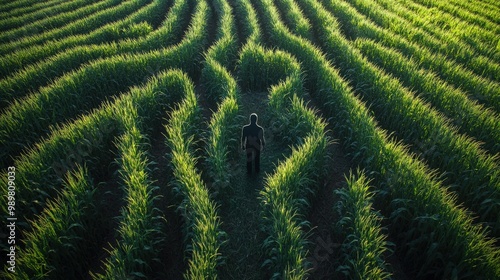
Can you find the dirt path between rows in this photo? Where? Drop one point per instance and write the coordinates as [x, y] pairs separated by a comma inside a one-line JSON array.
[[240, 209]]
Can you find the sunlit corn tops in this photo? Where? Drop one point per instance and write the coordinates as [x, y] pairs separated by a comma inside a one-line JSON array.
[[122, 156]]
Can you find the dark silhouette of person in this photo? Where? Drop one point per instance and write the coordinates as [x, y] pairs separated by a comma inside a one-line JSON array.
[[252, 140]]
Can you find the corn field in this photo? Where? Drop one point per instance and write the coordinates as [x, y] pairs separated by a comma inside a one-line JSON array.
[[120, 130]]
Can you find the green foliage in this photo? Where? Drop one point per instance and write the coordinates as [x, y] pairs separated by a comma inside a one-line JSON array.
[[51, 24], [140, 228], [98, 39], [404, 176], [365, 246], [284, 197], [25, 19], [25, 122], [57, 244], [259, 69], [296, 22], [87, 140], [201, 223], [104, 12], [469, 56], [251, 28], [36, 75], [76, 91], [356, 25], [468, 116], [472, 174]]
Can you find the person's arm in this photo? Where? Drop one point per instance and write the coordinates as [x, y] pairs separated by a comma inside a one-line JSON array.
[[243, 138], [262, 138]]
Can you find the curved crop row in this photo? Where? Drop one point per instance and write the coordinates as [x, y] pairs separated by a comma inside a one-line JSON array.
[[201, 222], [57, 244], [114, 30], [28, 120], [250, 27], [105, 14], [454, 49], [481, 9], [23, 6], [14, 21], [35, 28], [221, 55], [407, 180], [140, 229], [364, 246], [403, 11], [40, 168], [88, 140], [472, 173], [295, 19], [221, 88], [357, 25], [462, 23], [468, 116], [284, 196], [40, 74]]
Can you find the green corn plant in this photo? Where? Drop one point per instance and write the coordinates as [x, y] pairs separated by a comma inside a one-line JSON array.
[[37, 75], [106, 34], [250, 29], [56, 245], [294, 18], [140, 229], [85, 9], [417, 14], [283, 200], [74, 88], [454, 49], [88, 140], [405, 177], [80, 26], [259, 69], [223, 127], [365, 245], [484, 91], [472, 174], [470, 117], [285, 195], [19, 8], [465, 30], [202, 231], [482, 14], [221, 88], [12, 21]]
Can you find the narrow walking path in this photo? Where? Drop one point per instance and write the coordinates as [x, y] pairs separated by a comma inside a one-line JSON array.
[[240, 209]]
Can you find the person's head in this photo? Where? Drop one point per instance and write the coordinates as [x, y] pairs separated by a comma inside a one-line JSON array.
[[253, 118]]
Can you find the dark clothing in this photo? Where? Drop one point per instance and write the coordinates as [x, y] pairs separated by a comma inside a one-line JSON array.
[[252, 139], [253, 156]]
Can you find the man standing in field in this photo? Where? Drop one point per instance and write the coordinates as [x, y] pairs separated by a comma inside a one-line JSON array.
[[252, 139]]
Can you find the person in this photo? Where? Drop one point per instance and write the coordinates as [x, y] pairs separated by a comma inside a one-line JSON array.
[[252, 140]]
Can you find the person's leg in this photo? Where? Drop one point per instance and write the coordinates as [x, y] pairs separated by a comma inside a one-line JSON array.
[[249, 160], [257, 160]]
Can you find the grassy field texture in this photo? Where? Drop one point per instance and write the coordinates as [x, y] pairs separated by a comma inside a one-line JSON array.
[[120, 127]]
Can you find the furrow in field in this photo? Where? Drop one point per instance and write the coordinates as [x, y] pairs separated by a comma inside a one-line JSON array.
[[28, 120], [404, 179], [37, 75], [105, 12], [13, 21], [30, 27], [454, 49]]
